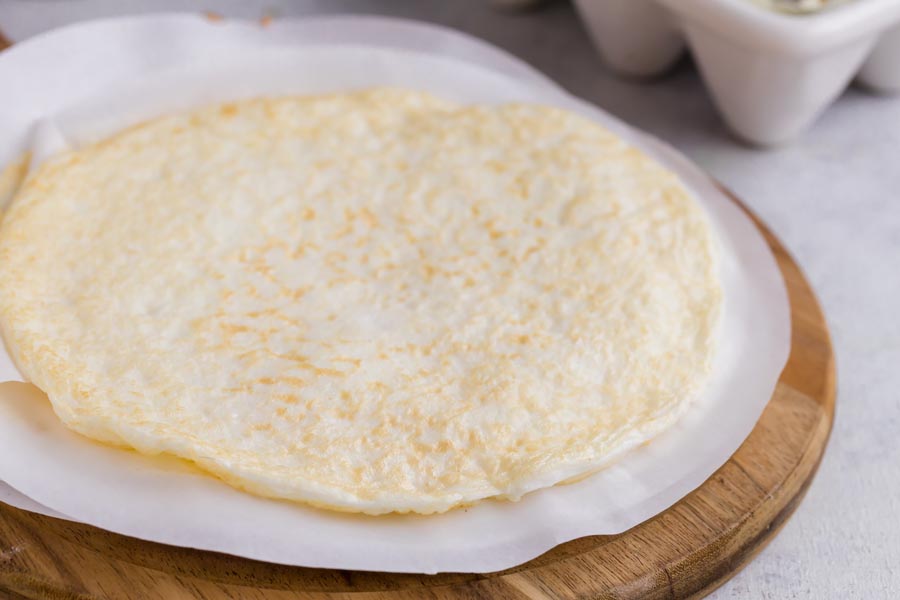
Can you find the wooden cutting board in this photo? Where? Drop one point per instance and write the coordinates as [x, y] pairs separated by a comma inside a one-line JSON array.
[[685, 552]]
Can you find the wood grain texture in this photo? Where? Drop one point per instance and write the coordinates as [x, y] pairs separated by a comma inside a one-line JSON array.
[[685, 552]]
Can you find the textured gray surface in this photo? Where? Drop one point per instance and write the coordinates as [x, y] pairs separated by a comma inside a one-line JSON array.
[[833, 198]]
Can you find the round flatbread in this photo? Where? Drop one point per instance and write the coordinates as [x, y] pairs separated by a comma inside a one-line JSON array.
[[374, 301]]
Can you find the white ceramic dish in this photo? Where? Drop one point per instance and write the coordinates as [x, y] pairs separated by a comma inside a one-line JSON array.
[[770, 74]]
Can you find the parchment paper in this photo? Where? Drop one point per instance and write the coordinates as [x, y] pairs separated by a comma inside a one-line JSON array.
[[166, 501]]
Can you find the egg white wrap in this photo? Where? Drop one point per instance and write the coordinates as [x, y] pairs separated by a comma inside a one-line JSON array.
[[63, 99]]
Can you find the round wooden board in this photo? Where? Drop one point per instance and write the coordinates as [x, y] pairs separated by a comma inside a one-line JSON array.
[[685, 552]]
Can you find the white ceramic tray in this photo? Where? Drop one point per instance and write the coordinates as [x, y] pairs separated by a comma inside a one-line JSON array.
[[770, 74]]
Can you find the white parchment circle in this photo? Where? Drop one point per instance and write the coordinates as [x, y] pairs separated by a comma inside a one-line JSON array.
[[164, 501]]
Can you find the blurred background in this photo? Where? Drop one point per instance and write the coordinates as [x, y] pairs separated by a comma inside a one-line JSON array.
[[831, 193]]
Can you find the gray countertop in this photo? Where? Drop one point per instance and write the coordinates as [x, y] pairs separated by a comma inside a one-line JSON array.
[[833, 198]]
